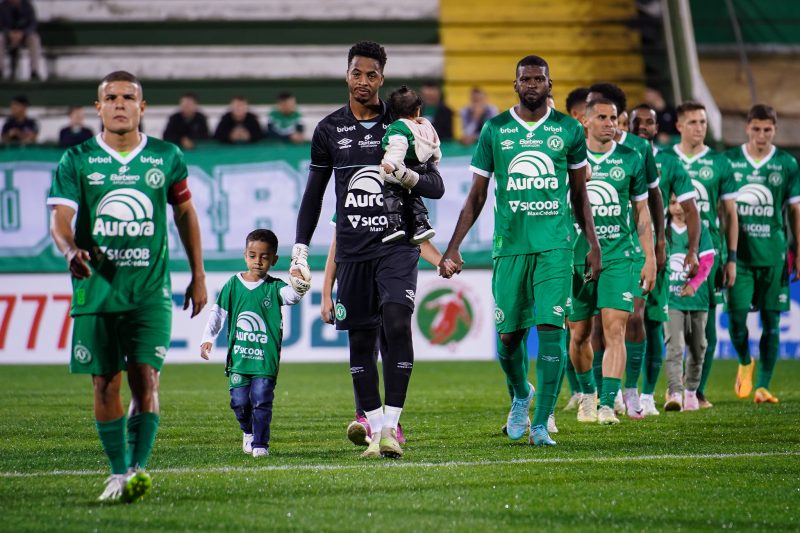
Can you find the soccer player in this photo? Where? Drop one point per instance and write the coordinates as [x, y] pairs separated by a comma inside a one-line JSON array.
[[635, 331], [251, 302], [376, 281], [712, 178], [576, 102], [536, 155], [117, 186], [768, 181], [673, 180], [617, 192]]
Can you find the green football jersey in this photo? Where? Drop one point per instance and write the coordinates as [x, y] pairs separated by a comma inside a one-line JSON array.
[[617, 180], [679, 247], [765, 187], [255, 325], [284, 125], [529, 164], [713, 181], [673, 178], [121, 205], [645, 150], [398, 127]]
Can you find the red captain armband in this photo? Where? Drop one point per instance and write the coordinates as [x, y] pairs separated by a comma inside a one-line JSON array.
[[179, 193]]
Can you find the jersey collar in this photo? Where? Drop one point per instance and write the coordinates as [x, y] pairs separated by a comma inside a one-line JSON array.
[[525, 124], [602, 157], [760, 163], [249, 284], [113, 153], [677, 229], [688, 160]]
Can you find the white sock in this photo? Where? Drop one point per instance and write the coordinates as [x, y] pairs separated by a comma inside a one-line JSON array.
[[376, 421], [391, 416]]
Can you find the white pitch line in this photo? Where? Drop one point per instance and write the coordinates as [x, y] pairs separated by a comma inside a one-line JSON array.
[[387, 464]]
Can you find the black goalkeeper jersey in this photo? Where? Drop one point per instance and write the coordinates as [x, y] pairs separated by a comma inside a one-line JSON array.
[[342, 145]]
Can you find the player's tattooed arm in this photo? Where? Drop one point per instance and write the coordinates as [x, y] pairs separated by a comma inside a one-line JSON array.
[[185, 218], [692, 261], [655, 202], [644, 227], [451, 261], [64, 238], [730, 222], [583, 215]]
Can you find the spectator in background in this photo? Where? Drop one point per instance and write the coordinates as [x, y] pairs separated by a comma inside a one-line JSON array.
[[19, 128], [284, 121], [435, 110], [187, 125], [475, 115], [18, 29], [76, 132], [665, 115], [576, 102], [239, 125]]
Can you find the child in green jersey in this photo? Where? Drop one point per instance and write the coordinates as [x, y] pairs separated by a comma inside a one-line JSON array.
[[409, 141], [251, 301], [688, 312]]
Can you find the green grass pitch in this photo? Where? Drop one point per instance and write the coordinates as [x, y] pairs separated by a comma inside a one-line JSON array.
[[734, 466]]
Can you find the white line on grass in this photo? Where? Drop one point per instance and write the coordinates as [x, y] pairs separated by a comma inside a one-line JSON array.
[[388, 464]]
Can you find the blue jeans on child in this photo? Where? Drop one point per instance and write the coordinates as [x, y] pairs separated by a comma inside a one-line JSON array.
[[252, 405]]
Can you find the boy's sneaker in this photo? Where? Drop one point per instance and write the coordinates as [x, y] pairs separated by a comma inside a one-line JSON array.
[[619, 404], [395, 229], [539, 437], [260, 452], [648, 404], [518, 420], [358, 431], [632, 404], [587, 409], [606, 416], [374, 448], [137, 486], [704, 403], [115, 485], [744, 380], [389, 447], [247, 443], [423, 231], [551, 424], [401, 437], [764, 396], [674, 402], [690, 402], [574, 401]]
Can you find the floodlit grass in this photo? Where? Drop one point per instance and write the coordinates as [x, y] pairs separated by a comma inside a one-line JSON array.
[[734, 466]]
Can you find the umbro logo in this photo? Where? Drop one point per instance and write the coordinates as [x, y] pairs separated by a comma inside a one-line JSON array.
[[508, 144], [354, 219], [95, 178], [410, 294], [558, 310], [344, 143], [627, 296]]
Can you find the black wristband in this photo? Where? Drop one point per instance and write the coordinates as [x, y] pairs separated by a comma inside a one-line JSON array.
[[731, 256]]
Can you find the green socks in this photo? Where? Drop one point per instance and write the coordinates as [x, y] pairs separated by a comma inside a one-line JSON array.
[[586, 383], [633, 363], [711, 349], [142, 428], [513, 364], [768, 347], [552, 351], [610, 390], [653, 355], [738, 332], [112, 437], [597, 368]]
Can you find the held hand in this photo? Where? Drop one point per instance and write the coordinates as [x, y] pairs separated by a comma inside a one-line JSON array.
[[402, 176], [687, 290], [78, 263], [450, 264], [691, 264], [326, 310], [647, 278], [297, 277], [196, 294], [594, 265], [205, 350], [661, 257], [729, 275]]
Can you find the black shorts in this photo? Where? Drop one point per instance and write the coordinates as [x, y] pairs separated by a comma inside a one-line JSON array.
[[364, 287]]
